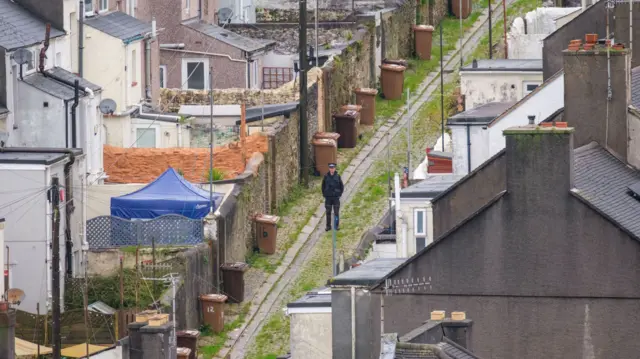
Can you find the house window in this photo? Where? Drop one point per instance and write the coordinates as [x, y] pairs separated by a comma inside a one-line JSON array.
[[134, 68], [31, 64], [132, 7], [163, 76], [104, 5], [195, 74], [187, 5], [88, 7], [145, 137], [529, 87], [420, 228], [58, 59]]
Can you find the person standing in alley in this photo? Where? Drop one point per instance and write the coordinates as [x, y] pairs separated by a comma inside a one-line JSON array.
[[332, 188]]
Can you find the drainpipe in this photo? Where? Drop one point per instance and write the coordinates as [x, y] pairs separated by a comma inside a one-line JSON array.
[[148, 41], [69, 207], [179, 135], [396, 183], [74, 110], [468, 149], [81, 39], [158, 117], [66, 123], [353, 323], [405, 240], [43, 50]]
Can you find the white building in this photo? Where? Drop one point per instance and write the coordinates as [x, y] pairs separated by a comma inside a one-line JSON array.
[[499, 80], [477, 133], [26, 176], [310, 317]]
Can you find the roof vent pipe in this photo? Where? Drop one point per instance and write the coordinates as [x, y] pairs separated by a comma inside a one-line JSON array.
[[475, 64], [531, 119]]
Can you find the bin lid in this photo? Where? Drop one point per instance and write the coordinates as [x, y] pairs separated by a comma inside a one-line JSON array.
[[237, 266], [357, 108], [324, 142], [392, 67], [366, 91], [218, 298], [331, 135], [188, 333], [428, 28], [266, 218], [183, 351]]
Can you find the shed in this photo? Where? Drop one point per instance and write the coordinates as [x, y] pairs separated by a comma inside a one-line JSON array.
[[168, 194]]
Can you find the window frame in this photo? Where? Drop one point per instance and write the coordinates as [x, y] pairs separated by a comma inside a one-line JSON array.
[[103, 6], [134, 67], [34, 61], [163, 76], [416, 211], [185, 75], [89, 12], [156, 130], [526, 84]]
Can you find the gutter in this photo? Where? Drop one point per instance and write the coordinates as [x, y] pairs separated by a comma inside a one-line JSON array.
[[468, 149], [163, 47], [158, 116]]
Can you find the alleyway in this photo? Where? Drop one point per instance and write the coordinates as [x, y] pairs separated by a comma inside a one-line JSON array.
[[273, 294]]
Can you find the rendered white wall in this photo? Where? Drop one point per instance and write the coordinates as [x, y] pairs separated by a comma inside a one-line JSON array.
[[481, 87]]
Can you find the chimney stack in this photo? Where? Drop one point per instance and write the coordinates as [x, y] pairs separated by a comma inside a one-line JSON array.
[[598, 114], [539, 162]]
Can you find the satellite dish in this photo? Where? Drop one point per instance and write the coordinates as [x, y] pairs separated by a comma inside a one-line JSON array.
[[22, 56], [107, 106], [15, 296], [224, 14]]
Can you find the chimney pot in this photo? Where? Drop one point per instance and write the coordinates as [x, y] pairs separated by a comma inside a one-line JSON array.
[[475, 64], [561, 125], [458, 316], [546, 124], [438, 315], [532, 119]]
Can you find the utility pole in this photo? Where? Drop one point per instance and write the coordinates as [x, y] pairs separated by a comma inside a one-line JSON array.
[[81, 38], [408, 132], [304, 143], [212, 143], [334, 242], [504, 14], [461, 36], [442, 87], [54, 195], [490, 34]]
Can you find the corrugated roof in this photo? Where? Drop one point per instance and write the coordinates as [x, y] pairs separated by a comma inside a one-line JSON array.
[[19, 28], [603, 180], [27, 349], [80, 350], [119, 25], [56, 88], [505, 65], [229, 37], [635, 87]]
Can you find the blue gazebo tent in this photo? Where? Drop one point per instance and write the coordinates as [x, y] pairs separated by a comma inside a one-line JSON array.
[[168, 194]]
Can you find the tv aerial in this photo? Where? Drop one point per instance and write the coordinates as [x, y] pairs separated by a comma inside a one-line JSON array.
[[107, 106], [21, 57]]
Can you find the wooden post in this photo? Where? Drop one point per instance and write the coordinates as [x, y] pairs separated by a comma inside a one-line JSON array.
[[121, 284], [137, 276], [243, 132]]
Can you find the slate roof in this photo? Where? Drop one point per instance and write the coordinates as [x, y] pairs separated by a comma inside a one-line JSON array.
[[119, 25], [455, 351], [56, 88], [505, 65], [368, 273], [229, 37], [418, 351], [19, 28], [635, 87], [603, 181], [481, 115], [431, 186]]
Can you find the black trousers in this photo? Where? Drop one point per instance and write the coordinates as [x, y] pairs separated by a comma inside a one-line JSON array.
[[329, 203]]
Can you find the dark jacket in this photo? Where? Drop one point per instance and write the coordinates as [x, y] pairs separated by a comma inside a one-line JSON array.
[[332, 186]]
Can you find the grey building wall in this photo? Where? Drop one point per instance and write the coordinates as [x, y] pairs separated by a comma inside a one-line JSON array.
[[541, 274], [464, 199], [585, 98], [592, 20], [621, 28], [367, 306]]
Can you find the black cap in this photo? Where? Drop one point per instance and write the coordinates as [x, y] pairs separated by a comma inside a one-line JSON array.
[[332, 165]]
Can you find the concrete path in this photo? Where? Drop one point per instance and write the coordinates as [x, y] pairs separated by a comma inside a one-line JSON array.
[[266, 300]]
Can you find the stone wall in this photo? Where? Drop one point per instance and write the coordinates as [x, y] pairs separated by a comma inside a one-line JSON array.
[[284, 169], [397, 31], [293, 15]]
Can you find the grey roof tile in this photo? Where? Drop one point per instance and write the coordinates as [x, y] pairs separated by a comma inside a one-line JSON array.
[[71, 77], [603, 180], [119, 25], [243, 43], [56, 88], [418, 351], [635, 87], [19, 28], [480, 115], [455, 351]]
